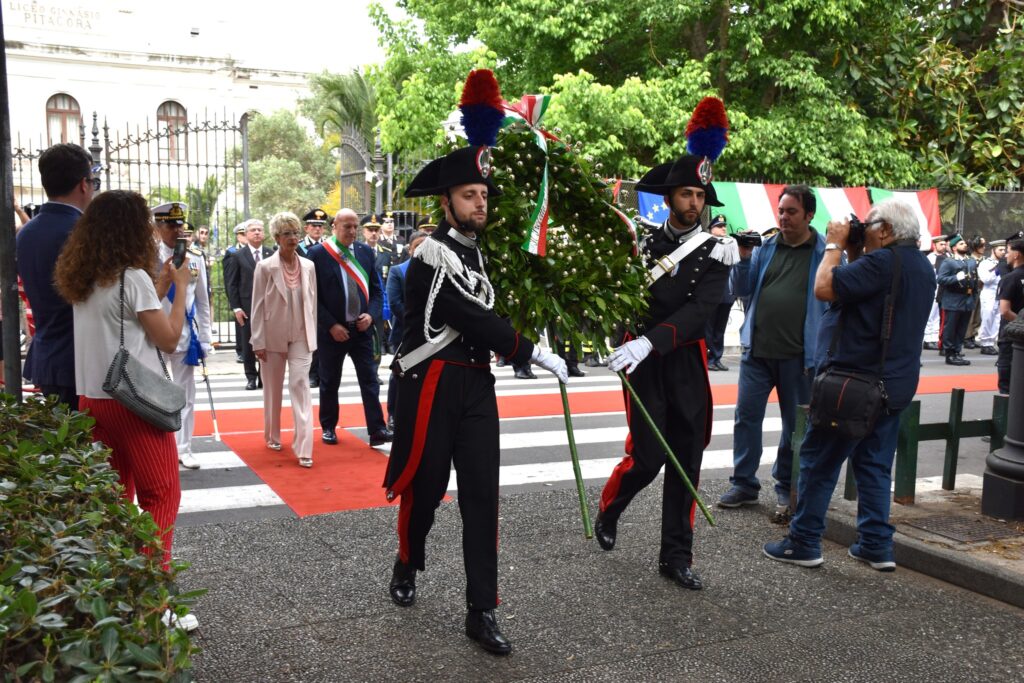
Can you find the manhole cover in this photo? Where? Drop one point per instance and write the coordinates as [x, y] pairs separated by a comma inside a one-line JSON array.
[[963, 529]]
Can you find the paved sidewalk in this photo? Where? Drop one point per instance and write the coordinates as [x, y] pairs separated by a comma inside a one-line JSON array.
[[306, 600]]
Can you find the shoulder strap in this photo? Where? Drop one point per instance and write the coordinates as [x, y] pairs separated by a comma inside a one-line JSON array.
[[888, 314], [122, 310], [666, 264]]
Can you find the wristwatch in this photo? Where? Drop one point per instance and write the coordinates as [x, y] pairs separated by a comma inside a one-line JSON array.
[[832, 246]]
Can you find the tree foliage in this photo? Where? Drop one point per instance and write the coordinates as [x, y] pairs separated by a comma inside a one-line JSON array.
[[339, 102], [843, 92], [288, 170]]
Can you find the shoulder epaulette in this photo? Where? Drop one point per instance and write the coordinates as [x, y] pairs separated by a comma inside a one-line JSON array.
[[725, 250]]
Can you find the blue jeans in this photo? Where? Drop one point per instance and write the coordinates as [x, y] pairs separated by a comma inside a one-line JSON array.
[[758, 376], [821, 457]]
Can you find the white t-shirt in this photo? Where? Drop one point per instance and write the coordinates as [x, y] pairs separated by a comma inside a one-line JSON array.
[[98, 330]]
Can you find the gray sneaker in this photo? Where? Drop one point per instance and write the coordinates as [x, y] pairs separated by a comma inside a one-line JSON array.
[[736, 497]]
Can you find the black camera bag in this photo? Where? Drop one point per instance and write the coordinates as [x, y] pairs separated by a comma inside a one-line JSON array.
[[848, 402]]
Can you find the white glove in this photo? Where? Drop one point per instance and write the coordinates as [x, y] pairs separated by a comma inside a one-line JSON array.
[[551, 363], [629, 355], [961, 275]]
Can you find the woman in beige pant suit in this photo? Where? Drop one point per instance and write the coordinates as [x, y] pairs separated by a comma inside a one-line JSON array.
[[284, 333]]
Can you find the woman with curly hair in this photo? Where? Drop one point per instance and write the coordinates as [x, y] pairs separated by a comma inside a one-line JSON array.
[[115, 236]]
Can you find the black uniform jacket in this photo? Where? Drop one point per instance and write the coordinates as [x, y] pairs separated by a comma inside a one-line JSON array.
[[681, 301], [481, 332]]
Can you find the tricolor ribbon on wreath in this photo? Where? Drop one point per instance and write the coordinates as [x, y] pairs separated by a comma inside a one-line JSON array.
[[530, 110]]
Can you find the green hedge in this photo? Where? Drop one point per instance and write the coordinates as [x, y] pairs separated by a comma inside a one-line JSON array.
[[78, 600]]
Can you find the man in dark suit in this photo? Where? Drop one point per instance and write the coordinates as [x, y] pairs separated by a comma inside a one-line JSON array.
[[396, 299], [67, 176], [238, 272], [349, 299]]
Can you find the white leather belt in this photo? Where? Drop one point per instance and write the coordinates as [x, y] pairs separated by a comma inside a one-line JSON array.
[[425, 351]]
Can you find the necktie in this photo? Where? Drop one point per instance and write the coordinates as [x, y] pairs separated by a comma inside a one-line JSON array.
[[256, 255], [352, 305]]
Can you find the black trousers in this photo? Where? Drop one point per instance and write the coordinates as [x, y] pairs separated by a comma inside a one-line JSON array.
[[954, 327], [448, 415], [332, 356], [671, 389], [248, 355], [1003, 365], [714, 332]]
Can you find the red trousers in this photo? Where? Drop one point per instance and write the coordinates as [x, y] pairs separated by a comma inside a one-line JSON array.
[[146, 459]]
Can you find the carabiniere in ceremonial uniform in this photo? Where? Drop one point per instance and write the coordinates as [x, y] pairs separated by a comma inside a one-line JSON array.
[[666, 357], [447, 412]]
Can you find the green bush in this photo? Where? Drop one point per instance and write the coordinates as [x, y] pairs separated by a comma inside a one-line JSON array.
[[78, 600]]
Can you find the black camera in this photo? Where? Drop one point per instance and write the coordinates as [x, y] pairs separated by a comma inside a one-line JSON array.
[[857, 229], [748, 238]]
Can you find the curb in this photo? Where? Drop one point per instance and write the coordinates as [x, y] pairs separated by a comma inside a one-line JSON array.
[[955, 567]]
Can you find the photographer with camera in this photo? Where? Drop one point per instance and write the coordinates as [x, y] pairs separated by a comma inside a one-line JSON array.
[[958, 277], [777, 338], [869, 353]]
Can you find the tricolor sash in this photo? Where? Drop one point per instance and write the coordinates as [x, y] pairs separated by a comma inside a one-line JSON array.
[[347, 260]]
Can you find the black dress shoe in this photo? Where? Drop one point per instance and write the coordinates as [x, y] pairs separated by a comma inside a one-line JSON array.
[[711, 367], [684, 576], [931, 346], [970, 344], [381, 438], [989, 351], [720, 367], [605, 530], [524, 373], [329, 437], [250, 385], [403, 584], [574, 371], [314, 383], [482, 627], [957, 360]]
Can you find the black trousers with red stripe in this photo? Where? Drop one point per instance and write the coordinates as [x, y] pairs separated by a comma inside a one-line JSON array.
[[448, 415], [674, 390]]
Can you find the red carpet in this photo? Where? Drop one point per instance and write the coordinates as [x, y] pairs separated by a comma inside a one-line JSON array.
[[347, 476], [250, 419]]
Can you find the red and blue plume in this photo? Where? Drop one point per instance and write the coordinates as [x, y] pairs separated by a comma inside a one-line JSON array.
[[482, 113], [708, 130]]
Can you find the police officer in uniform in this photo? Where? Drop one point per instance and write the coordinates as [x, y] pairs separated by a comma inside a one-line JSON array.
[[665, 357], [958, 277], [447, 410], [196, 333], [315, 221], [940, 245]]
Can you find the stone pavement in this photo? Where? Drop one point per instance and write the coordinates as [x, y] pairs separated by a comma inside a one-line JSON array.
[[306, 600]]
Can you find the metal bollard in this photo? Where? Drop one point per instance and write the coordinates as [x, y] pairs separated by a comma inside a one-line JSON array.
[[1002, 493]]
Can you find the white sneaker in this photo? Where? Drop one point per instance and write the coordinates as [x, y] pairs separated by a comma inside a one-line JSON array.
[[188, 461], [187, 623]]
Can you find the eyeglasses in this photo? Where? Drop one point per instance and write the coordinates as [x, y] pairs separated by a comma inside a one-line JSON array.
[[96, 184]]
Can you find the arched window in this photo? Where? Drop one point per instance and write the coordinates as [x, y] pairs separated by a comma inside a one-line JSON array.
[[63, 119], [171, 120]]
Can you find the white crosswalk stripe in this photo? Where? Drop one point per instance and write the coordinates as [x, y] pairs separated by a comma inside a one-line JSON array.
[[224, 482]]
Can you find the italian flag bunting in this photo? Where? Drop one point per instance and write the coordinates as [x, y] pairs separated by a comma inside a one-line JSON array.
[[530, 109], [755, 205], [926, 206]]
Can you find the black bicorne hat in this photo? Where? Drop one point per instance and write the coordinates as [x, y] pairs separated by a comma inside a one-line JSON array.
[[686, 171], [461, 167]]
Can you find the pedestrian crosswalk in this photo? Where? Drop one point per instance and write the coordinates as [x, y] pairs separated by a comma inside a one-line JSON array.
[[534, 446]]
